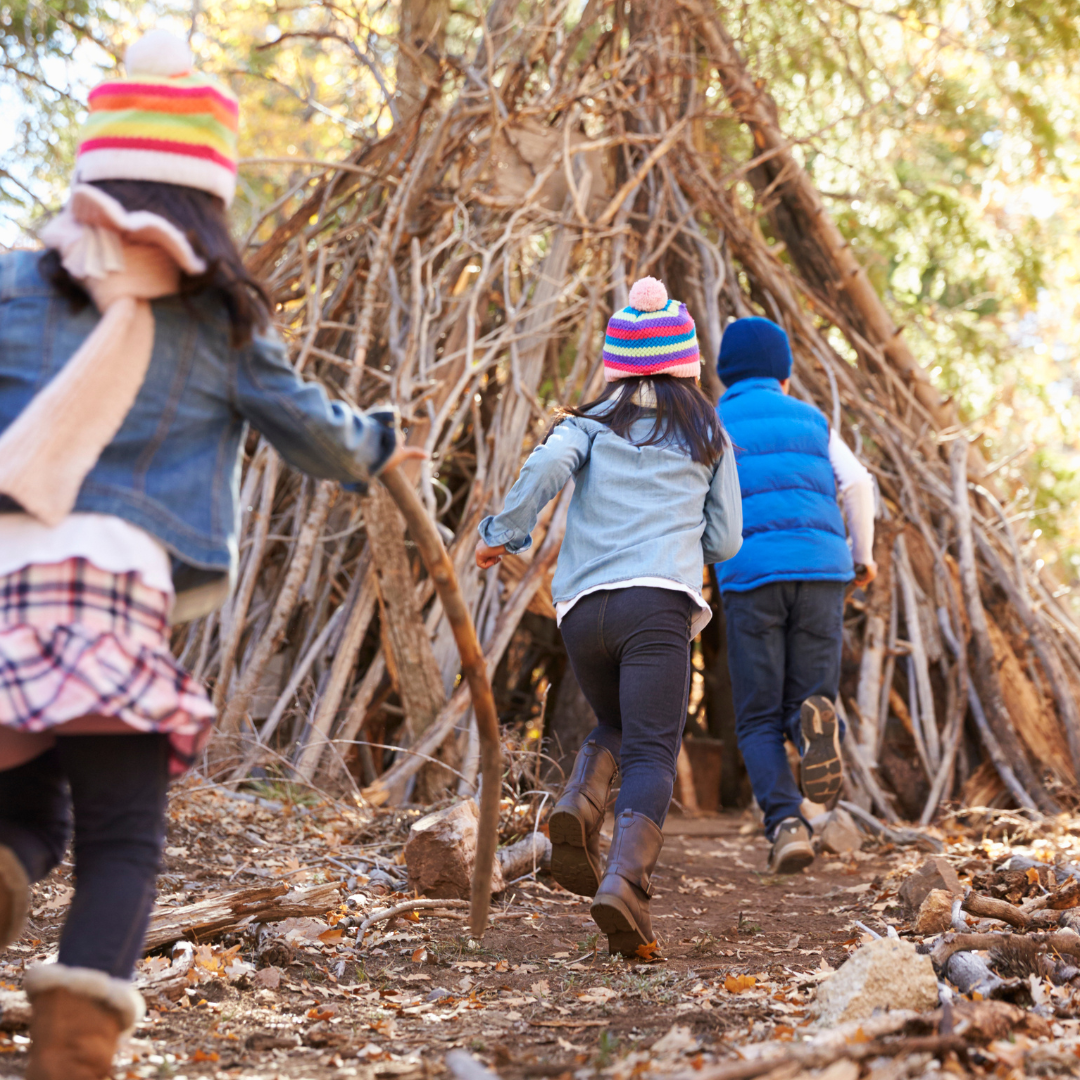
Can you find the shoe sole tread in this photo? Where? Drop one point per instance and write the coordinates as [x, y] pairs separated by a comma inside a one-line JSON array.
[[614, 920], [821, 773], [570, 864]]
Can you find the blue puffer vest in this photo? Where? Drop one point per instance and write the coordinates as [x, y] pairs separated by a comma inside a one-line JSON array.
[[792, 526]]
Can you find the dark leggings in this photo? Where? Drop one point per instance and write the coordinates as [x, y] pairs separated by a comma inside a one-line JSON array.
[[630, 650], [115, 784]]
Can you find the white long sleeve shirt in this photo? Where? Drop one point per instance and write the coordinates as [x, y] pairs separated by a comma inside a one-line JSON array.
[[856, 488]]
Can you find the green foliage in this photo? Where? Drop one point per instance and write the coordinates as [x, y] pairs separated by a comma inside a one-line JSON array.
[[943, 138], [50, 53]]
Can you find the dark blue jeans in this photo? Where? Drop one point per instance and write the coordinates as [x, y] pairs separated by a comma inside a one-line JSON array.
[[784, 642], [116, 785], [630, 651]]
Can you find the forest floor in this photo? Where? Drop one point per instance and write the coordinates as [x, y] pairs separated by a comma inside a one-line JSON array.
[[741, 954]]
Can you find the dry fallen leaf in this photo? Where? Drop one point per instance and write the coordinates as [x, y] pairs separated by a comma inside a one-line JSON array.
[[736, 984], [332, 936], [650, 951], [503, 965], [420, 955]]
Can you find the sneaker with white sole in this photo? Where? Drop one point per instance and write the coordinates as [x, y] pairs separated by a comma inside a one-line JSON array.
[[822, 771], [792, 849]]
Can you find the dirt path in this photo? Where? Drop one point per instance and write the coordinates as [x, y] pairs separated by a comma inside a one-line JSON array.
[[539, 997]]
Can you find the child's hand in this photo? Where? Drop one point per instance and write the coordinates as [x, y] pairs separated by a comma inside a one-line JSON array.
[[402, 454], [865, 573], [486, 557]]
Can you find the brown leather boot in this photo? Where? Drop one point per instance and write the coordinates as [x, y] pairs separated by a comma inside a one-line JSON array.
[[621, 906], [574, 825], [14, 897], [77, 1018]]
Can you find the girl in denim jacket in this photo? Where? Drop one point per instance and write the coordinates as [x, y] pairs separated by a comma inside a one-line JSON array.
[[133, 353], [656, 497]]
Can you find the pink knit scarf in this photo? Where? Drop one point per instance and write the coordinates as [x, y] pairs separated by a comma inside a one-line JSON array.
[[123, 260]]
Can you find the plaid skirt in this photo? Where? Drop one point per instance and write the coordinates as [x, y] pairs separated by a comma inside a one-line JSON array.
[[78, 641]]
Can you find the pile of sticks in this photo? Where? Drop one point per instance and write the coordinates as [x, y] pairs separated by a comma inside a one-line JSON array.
[[462, 267]]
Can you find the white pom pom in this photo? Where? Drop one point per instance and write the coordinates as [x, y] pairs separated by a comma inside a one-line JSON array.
[[158, 53], [648, 294]]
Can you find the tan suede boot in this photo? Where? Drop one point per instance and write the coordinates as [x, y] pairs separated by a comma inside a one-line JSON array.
[[621, 906], [14, 897], [77, 1018], [574, 825]]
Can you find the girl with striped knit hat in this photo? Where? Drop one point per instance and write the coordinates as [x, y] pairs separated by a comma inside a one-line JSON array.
[[133, 353], [656, 497]]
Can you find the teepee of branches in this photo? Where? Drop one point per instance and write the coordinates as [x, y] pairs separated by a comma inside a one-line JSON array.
[[462, 267]]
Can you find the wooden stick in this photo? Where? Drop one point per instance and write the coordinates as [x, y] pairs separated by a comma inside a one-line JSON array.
[[403, 908], [1008, 756], [989, 907], [474, 668]]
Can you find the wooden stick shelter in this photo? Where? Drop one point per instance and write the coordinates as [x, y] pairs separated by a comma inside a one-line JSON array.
[[462, 267]]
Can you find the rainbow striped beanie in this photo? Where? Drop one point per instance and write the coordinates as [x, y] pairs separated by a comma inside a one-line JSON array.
[[162, 122], [652, 335]]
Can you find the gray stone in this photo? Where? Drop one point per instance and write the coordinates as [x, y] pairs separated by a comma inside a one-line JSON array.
[[882, 975], [841, 835], [935, 873]]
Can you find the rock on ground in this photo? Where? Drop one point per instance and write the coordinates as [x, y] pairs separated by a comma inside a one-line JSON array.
[[884, 974], [841, 835], [935, 913], [935, 873]]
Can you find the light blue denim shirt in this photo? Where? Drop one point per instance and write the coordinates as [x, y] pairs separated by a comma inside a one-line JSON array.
[[637, 511], [173, 468]]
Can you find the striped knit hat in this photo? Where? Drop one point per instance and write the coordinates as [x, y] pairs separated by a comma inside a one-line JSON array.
[[162, 122], [651, 336]]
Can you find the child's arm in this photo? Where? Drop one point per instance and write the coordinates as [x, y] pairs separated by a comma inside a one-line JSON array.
[[856, 487], [324, 438], [723, 512], [543, 476]]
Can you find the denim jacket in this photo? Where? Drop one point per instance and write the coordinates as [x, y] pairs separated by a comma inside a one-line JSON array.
[[636, 511], [173, 468]]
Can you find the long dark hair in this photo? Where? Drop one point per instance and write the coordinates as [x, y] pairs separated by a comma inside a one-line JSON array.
[[682, 414], [201, 217]]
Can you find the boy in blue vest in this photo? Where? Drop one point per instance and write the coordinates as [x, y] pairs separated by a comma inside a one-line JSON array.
[[783, 593]]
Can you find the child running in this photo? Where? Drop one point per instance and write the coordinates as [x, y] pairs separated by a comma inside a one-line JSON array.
[[784, 593], [133, 353], [656, 496]]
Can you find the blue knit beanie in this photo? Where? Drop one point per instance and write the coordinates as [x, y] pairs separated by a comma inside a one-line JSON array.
[[754, 349]]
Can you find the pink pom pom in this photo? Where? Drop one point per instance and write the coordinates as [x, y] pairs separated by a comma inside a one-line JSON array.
[[648, 294]]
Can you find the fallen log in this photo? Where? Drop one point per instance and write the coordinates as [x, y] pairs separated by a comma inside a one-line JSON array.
[[228, 912], [440, 854], [532, 852]]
